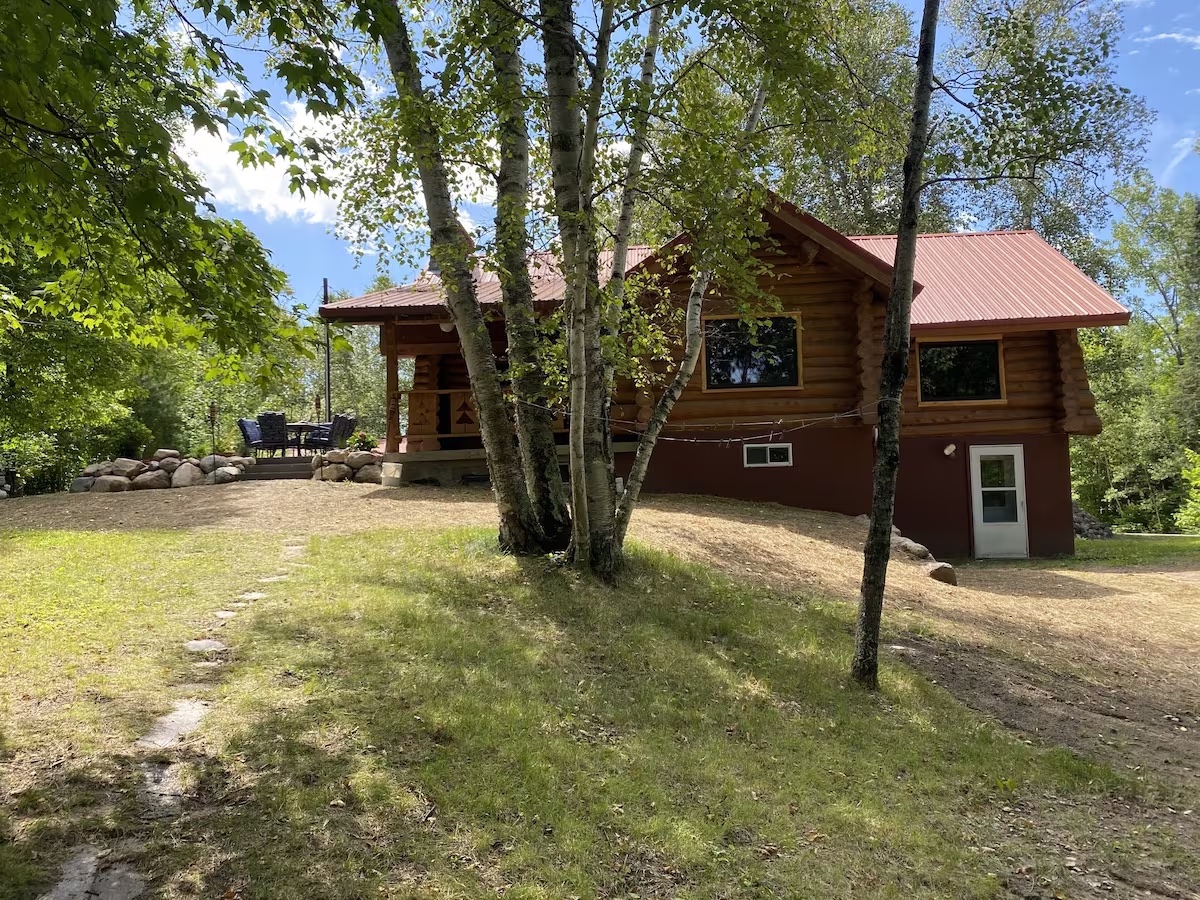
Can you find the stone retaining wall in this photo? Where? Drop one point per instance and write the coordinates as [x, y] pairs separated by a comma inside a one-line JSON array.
[[364, 466], [166, 469]]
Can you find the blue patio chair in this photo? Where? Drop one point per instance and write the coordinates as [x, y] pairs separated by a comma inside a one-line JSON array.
[[251, 435], [331, 434], [275, 433]]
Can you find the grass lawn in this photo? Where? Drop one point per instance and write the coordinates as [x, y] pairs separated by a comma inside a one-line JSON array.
[[413, 715], [1136, 550]]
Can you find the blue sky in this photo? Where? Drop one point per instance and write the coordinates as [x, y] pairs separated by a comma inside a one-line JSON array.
[[1159, 58]]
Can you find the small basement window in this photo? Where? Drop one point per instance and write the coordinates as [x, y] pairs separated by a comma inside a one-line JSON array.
[[764, 353], [960, 371], [760, 455]]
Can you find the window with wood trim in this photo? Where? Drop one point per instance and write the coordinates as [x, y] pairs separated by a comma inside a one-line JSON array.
[[960, 371], [760, 353]]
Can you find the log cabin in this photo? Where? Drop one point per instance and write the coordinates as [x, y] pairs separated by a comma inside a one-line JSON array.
[[784, 411]]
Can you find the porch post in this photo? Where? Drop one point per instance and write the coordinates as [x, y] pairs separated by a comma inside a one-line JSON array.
[[392, 441]]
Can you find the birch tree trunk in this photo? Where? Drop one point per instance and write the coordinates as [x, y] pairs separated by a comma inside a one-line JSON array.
[[535, 423], [450, 245], [876, 554], [566, 146], [693, 340]]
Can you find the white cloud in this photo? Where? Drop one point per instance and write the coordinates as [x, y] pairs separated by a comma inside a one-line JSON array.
[[1184, 147], [1193, 91], [1189, 40], [265, 189]]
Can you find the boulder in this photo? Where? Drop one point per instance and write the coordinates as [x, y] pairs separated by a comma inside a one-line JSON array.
[[369, 474], [243, 462], [160, 455], [210, 464], [336, 472], [193, 461], [359, 458], [95, 470], [108, 483], [82, 484], [157, 479], [318, 461], [187, 475], [910, 548], [3, 495], [128, 468], [153, 466], [941, 571], [170, 464], [336, 456], [223, 475]]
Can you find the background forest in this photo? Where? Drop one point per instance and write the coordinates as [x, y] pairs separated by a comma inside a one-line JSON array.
[[78, 383]]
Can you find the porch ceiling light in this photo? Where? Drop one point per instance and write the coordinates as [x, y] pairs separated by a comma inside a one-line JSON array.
[[949, 449], [446, 327]]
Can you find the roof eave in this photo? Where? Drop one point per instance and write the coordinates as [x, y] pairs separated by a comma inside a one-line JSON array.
[[1048, 323]]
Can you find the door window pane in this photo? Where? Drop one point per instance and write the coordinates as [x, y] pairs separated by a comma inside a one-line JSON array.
[[997, 471], [1000, 506]]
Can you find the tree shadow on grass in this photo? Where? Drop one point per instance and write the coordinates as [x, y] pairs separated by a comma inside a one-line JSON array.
[[427, 718]]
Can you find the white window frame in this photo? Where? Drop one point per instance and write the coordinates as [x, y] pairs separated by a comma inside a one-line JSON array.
[[768, 464]]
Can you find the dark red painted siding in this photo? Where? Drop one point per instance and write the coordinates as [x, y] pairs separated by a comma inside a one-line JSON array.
[[832, 471]]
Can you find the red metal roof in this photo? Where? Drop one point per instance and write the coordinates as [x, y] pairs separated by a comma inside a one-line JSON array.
[[426, 293], [998, 278], [970, 280]]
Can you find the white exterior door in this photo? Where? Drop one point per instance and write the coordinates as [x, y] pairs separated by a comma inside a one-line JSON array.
[[998, 501]]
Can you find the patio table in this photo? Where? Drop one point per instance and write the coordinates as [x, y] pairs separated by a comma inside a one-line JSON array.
[[298, 429]]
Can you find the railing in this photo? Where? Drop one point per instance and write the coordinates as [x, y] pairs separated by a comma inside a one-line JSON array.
[[425, 409]]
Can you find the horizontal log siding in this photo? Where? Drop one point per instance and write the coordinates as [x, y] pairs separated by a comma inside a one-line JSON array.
[[823, 296], [1032, 387]]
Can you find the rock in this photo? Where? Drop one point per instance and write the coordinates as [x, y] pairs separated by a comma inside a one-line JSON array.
[[318, 461], [243, 462], [128, 468], [910, 548], [211, 463], [336, 472], [153, 466], [193, 461], [895, 531], [82, 484], [1087, 525], [3, 495], [205, 645], [152, 481], [941, 571], [187, 475], [160, 455], [336, 456], [223, 475], [95, 470], [185, 718], [169, 465], [369, 474], [359, 458], [106, 484]]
